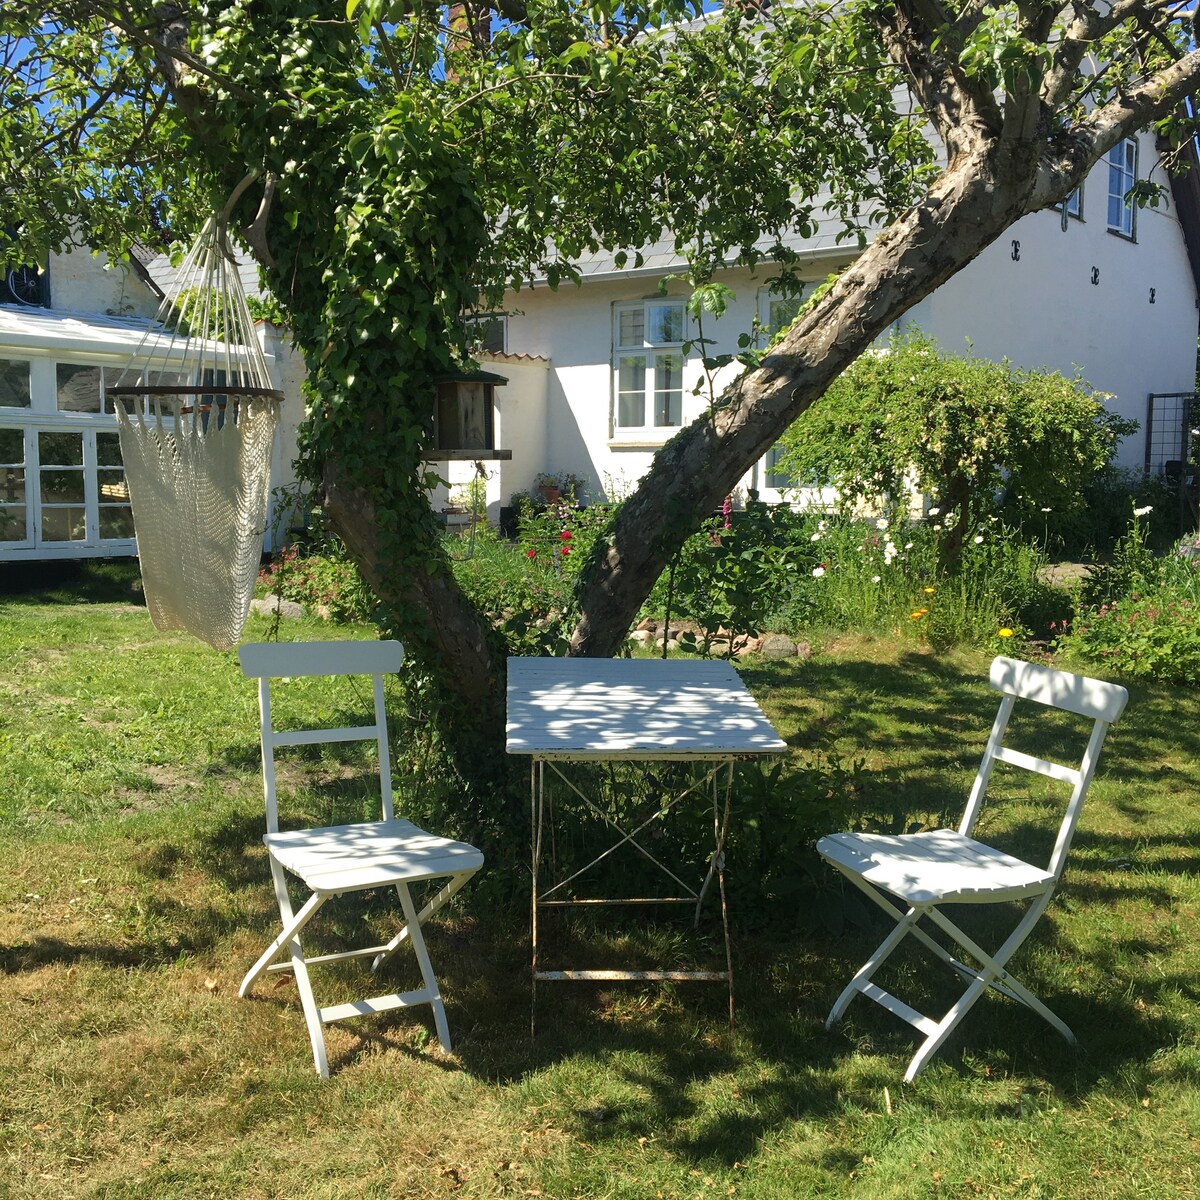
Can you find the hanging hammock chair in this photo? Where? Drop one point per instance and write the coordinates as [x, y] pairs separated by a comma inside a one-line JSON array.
[[197, 414]]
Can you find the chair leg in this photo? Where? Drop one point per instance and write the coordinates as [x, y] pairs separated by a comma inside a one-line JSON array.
[[904, 926], [995, 971], [293, 923], [436, 903], [431, 984]]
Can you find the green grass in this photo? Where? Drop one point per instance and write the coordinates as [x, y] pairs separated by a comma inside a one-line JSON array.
[[135, 893]]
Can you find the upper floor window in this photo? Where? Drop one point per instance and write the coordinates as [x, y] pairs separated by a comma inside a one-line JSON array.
[[487, 333], [1122, 175], [648, 363], [777, 311]]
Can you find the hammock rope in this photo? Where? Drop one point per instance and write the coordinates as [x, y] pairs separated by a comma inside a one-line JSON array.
[[196, 415]]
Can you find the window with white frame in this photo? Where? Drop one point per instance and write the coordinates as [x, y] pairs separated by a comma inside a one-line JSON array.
[[648, 341], [777, 311], [1122, 175], [487, 332], [1072, 206]]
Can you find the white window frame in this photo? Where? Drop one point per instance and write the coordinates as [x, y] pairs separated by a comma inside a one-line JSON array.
[[1072, 206], [487, 318], [44, 416], [770, 320], [1122, 162], [656, 354]]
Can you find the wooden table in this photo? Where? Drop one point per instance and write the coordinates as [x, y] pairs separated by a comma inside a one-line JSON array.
[[564, 710]]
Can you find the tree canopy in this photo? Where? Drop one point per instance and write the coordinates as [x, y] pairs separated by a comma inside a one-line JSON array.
[[413, 161]]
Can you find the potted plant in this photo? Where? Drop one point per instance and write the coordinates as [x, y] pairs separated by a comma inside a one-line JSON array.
[[558, 485]]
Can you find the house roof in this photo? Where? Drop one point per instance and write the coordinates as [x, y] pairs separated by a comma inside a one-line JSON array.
[[76, 332], [660, 258], [165, 276]]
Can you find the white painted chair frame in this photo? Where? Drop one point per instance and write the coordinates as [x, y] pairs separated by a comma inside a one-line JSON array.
[[335, 860], [929, 869]]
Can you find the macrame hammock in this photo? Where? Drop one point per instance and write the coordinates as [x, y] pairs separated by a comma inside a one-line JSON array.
[[197, 414]]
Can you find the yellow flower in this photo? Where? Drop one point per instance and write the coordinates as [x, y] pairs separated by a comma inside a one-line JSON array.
[[1005, 632], [929, 591], [919, 613]]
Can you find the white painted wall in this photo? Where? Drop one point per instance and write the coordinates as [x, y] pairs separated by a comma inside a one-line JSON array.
[[573, 328], [86, 283]]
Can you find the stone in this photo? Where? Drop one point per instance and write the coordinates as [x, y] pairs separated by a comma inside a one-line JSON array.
[[641, 636], [270, 605], [777, 645], [648, 625]]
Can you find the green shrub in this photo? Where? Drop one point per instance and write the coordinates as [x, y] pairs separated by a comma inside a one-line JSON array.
[[979, 437], [322, 580], [1143, 615]]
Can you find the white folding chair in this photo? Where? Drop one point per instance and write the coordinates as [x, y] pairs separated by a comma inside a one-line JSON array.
[[927, 870], [337, 859]]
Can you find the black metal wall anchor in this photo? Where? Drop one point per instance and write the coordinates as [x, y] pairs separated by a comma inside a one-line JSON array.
[[1153, 293], [1095, 276], [1016, 251]]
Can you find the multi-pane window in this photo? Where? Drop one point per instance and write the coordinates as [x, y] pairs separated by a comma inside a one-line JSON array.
[[1122, 175], [488, 333], [14, 383], [116, 517], [776, 311], [649, 340], [13, 527], [1072, 206], [773, 477], [62, 486]]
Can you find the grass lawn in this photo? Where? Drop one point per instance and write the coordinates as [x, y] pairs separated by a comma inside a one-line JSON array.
[[135, 894]]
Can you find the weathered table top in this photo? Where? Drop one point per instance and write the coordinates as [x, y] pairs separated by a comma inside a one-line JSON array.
[[634, 708]]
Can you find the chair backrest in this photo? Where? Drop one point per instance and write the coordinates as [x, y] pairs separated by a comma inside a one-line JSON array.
[[268, 661], [1102, 702]]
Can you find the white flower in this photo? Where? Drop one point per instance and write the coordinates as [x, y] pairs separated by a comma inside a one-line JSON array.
[[1047, 510], [978, 539], [822, 526], [816, 537], [908, 545], [875, 578], [881, 523], [937, 527], [818, 572], [933, 512], [1141, 512]]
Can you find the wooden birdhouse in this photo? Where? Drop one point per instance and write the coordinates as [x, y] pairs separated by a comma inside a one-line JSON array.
[[464, 418]]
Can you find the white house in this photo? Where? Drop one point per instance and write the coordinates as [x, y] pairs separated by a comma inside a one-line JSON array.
[[1102, 287], [597, 378], [65, 334]]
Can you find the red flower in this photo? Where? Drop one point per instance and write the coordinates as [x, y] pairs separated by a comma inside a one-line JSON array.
[[566, 535], [531, 554], [565, 551]]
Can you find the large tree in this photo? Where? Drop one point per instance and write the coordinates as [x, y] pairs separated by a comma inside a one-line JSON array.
[[413, 162]]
